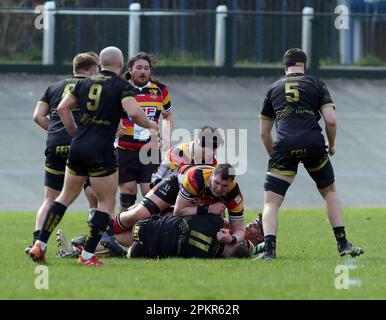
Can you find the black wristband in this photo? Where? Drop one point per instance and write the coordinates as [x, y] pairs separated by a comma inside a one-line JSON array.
[[234, 240], [202, 209], [154, 183]]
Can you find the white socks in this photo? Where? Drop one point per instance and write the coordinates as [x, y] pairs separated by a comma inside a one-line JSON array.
[[86, 255], [42, 245]]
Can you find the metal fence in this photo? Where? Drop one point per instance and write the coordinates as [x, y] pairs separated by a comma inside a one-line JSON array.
[[187, 37], [251, 5]]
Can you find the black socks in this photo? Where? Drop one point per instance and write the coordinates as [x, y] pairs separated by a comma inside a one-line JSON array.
[[270, 242], [98, 226], [54, 216], [340, 235]]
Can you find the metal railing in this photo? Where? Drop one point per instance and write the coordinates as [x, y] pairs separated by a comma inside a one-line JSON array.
[[223, 38]]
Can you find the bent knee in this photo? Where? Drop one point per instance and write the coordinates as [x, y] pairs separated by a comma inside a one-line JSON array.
[[128, 187], [51, 194], [324, 191]]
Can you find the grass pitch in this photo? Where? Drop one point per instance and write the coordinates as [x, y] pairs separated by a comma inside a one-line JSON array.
[[305, 268]]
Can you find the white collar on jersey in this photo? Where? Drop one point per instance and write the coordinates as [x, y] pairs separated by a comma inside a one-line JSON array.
[[140, 88]]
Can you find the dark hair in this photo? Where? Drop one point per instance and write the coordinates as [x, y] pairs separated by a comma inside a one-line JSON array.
[[141, 56], [84, 61], [241, 251], [209, 137], [226, 171], [294, 55]]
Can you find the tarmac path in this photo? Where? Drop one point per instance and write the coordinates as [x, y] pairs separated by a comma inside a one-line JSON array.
[[227, 103]]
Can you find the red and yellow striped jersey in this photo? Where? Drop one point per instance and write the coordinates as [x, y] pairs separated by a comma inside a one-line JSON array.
[[154, 99], [176, 157], [195, 188]]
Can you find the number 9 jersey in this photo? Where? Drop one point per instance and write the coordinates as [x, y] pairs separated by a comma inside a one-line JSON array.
[[99, 99]]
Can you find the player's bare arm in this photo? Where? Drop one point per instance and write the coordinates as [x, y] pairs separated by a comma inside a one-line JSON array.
[[131, 107], [167, 129], [185, 208], [65, 113], [120, 129], [237, 230], [266, 135], [330, 120], [41, 115], [224, 236]]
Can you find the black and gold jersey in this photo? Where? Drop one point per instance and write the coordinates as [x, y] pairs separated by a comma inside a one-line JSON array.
[[56, 132], [176, 236], [100, 102], [295, 102]]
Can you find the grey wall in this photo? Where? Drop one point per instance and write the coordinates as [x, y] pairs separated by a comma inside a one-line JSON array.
[[223, 102]]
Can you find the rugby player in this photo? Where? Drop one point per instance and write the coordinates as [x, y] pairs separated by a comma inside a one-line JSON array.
[[200, 151], [101, 100], [58, 140], [157, 228], [134, 142], [192, 236], [296, 102]]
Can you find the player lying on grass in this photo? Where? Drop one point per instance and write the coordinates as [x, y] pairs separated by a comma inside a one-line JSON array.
[[201, 190], [177, 235], [194, 190], [192, 236]]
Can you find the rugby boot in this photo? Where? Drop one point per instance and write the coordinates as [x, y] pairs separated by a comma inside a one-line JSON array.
[[37, 253], [349, 248], [92, 262], [115, 249], [268, 255]]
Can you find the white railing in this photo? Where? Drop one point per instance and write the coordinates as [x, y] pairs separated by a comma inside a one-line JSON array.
[[134, 32], [49, 32], [308, 15], [134, 14]]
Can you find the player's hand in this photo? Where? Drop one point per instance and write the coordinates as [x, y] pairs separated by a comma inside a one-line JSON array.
[[154, 134], [331, 150], [224, 236], [120, 131], [217, 208], [153, 130]]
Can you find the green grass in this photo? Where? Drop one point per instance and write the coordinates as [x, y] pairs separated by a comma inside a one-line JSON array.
[[305, 268]]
